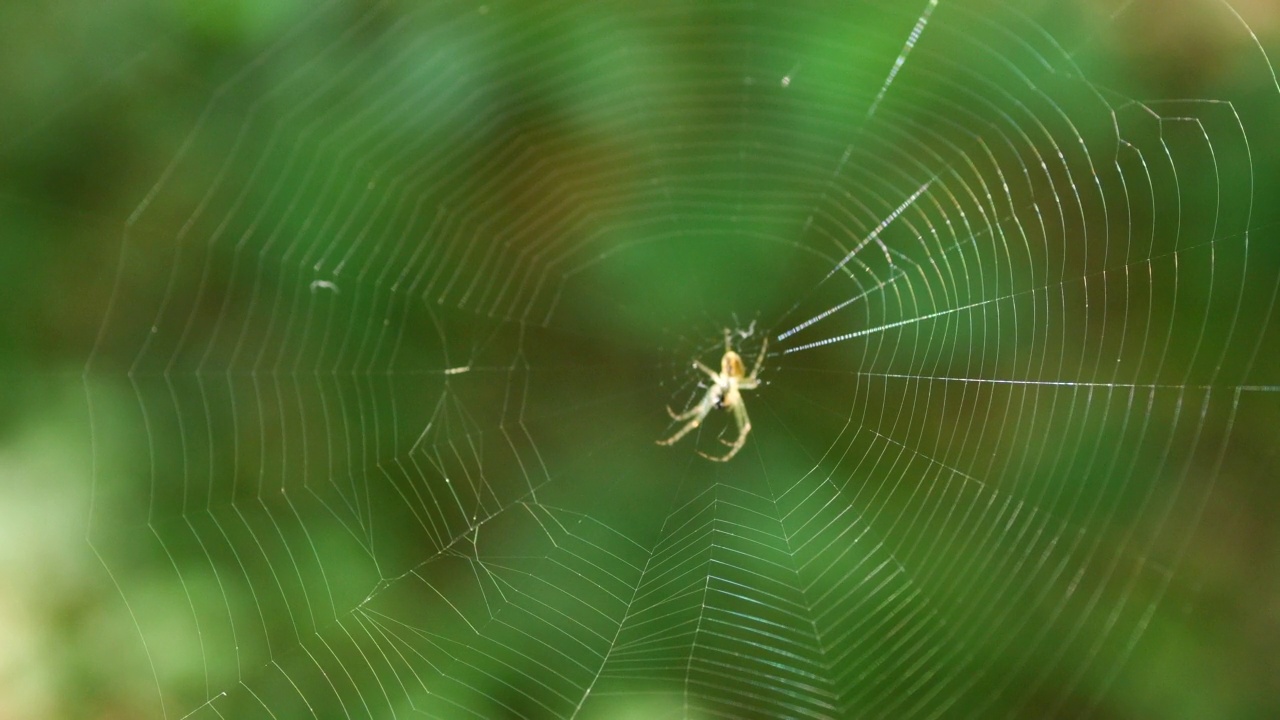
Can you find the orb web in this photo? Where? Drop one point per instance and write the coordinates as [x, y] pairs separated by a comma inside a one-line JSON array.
[[399, 391]]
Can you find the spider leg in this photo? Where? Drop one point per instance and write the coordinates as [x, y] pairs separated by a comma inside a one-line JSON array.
[[708, 402], [684, 415], [744, 426], [695, 422], [695, 415], [760, 358], [715, 376]]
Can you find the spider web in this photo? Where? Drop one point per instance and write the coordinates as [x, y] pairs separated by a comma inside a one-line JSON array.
[[398, 391]]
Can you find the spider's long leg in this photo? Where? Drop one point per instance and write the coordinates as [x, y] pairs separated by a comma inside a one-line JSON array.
[[708, 402], [694, 415], [710, 373], [744, 426], [687, 427], [684, 415], [760, 358]]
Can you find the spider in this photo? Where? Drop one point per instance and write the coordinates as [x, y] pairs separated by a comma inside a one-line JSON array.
[[725, 392]]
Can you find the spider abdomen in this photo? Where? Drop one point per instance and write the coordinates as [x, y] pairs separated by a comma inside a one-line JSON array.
[[731, 365]]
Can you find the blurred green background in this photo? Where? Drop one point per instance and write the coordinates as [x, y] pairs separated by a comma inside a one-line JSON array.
[[338, 336]]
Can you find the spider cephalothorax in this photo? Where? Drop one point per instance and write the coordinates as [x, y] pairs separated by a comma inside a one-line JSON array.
[[725, 392]]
